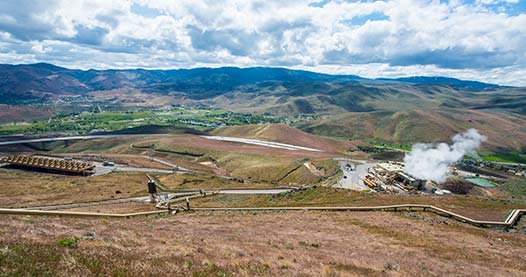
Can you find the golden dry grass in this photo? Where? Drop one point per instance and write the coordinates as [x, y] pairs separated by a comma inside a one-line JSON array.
[[121, 208], [260, 244], [20, 188], [204, 181], [284, 134], [482, 208]]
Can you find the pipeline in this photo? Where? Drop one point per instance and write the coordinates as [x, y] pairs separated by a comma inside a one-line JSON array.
[[510, 221], [165, 208], [165, 205], [78, 214]]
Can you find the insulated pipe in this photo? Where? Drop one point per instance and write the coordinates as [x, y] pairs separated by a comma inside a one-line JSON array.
[[510, 221], [76, 214]]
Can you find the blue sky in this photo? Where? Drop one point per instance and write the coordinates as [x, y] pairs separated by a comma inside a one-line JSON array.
[[481, 40]]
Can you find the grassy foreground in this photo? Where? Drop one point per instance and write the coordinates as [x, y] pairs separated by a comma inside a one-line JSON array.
[[257, 244]]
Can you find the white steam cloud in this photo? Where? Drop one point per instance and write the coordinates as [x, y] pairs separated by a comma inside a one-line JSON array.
[[431, 161]]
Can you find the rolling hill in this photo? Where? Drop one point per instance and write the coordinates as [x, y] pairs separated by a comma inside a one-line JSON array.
[[504, 131], [282, 133], [404, 110]]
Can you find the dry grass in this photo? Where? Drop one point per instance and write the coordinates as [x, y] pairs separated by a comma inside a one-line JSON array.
[[471, 206], [20, 188], [204, 181], [259, 244], [284, 134], [129, 160], [414, 125], [11, 113], [122, 208], [244, 161]]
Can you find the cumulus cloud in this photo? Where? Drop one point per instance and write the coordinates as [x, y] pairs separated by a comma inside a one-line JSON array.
[[484, 40]]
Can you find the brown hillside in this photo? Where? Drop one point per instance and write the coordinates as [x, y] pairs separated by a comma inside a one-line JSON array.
[[502, 130], [10, 113], [281, 133]]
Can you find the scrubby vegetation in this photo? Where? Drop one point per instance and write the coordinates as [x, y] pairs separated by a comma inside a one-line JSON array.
[[515, 187], [69, 242]]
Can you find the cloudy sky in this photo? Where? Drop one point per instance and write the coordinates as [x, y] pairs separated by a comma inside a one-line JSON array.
[[481, 40]]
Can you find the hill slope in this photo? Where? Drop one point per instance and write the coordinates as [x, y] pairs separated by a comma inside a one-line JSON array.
[[259, 89], [406, 127], [281, 133], [405, 110]]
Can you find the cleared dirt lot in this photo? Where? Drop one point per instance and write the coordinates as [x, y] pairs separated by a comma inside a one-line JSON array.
[[248, 244]]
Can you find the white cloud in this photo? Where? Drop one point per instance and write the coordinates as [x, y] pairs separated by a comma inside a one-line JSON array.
[[492, 2], [374, 39]]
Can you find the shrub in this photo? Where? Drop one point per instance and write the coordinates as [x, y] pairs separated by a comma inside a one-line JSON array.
[[70, 242]]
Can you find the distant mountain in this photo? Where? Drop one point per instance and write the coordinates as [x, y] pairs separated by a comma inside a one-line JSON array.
[[402, 110], [19, 83], [461, 84], [38, 82]]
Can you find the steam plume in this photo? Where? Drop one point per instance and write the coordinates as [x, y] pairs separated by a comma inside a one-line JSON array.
[[431, 161]]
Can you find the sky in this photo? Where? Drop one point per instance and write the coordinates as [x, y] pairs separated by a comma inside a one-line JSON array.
[[481, 40]]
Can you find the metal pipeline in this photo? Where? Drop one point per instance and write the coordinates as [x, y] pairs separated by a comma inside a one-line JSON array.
[[164, 208], [76, 214], [512, 218]]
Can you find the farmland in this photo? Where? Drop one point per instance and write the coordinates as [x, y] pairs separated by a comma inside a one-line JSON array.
[[108, 121]]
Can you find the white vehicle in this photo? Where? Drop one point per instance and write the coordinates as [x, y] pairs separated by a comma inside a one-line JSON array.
[[108, 163]]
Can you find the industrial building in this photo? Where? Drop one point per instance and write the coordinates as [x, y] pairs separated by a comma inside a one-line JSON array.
[[54, 165], [390, 177]]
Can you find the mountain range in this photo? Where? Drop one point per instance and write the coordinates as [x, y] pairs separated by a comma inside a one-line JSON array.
[[399, 110], [31, 81]]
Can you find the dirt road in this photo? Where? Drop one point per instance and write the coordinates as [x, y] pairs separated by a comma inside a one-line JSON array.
[[262, 143]]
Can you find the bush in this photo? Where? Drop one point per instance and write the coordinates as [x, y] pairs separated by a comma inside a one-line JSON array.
[[71, 242]]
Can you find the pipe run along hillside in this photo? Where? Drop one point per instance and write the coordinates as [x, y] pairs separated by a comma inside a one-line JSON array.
[[510, 221]]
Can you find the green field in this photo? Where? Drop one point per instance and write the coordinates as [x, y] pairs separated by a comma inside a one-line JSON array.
[[512, 156], [86, 122]]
